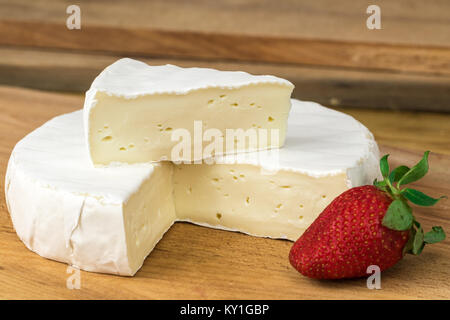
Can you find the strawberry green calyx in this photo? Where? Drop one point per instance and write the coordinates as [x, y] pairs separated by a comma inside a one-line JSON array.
[[399, 215]]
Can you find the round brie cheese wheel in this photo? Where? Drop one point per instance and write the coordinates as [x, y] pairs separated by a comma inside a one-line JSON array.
[[108, 219]]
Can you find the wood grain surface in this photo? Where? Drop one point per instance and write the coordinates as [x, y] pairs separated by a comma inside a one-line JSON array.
[[323, 46], [193, 262], [408, 22], [207, 46], [404, 21], [59, 70]]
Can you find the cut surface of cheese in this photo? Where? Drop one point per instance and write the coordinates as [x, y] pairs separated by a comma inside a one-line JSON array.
[[109, 219], [132, 109]]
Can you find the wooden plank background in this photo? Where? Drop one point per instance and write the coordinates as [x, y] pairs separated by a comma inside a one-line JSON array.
[[322, 46], [218, 264]]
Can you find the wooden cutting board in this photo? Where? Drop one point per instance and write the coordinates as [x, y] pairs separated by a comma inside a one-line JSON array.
[[193, 262]]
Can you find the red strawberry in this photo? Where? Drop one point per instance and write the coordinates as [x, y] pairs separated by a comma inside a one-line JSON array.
[[368, 225]]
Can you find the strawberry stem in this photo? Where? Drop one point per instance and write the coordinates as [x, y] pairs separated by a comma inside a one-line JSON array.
[[399, 215], [395, 192]]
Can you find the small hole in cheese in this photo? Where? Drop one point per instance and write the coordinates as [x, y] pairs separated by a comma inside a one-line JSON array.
[[107, 138], [219, 215], [122, 148], [270, 119], [234, 105]]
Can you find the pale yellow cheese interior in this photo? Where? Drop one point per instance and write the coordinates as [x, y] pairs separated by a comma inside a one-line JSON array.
[[240, 197], [139, 129], [148, 214]]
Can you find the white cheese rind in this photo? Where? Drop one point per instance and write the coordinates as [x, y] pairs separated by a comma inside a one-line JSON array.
[[48, 220], [97, 218], [65, 209], [132, 109], [131, 78]]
